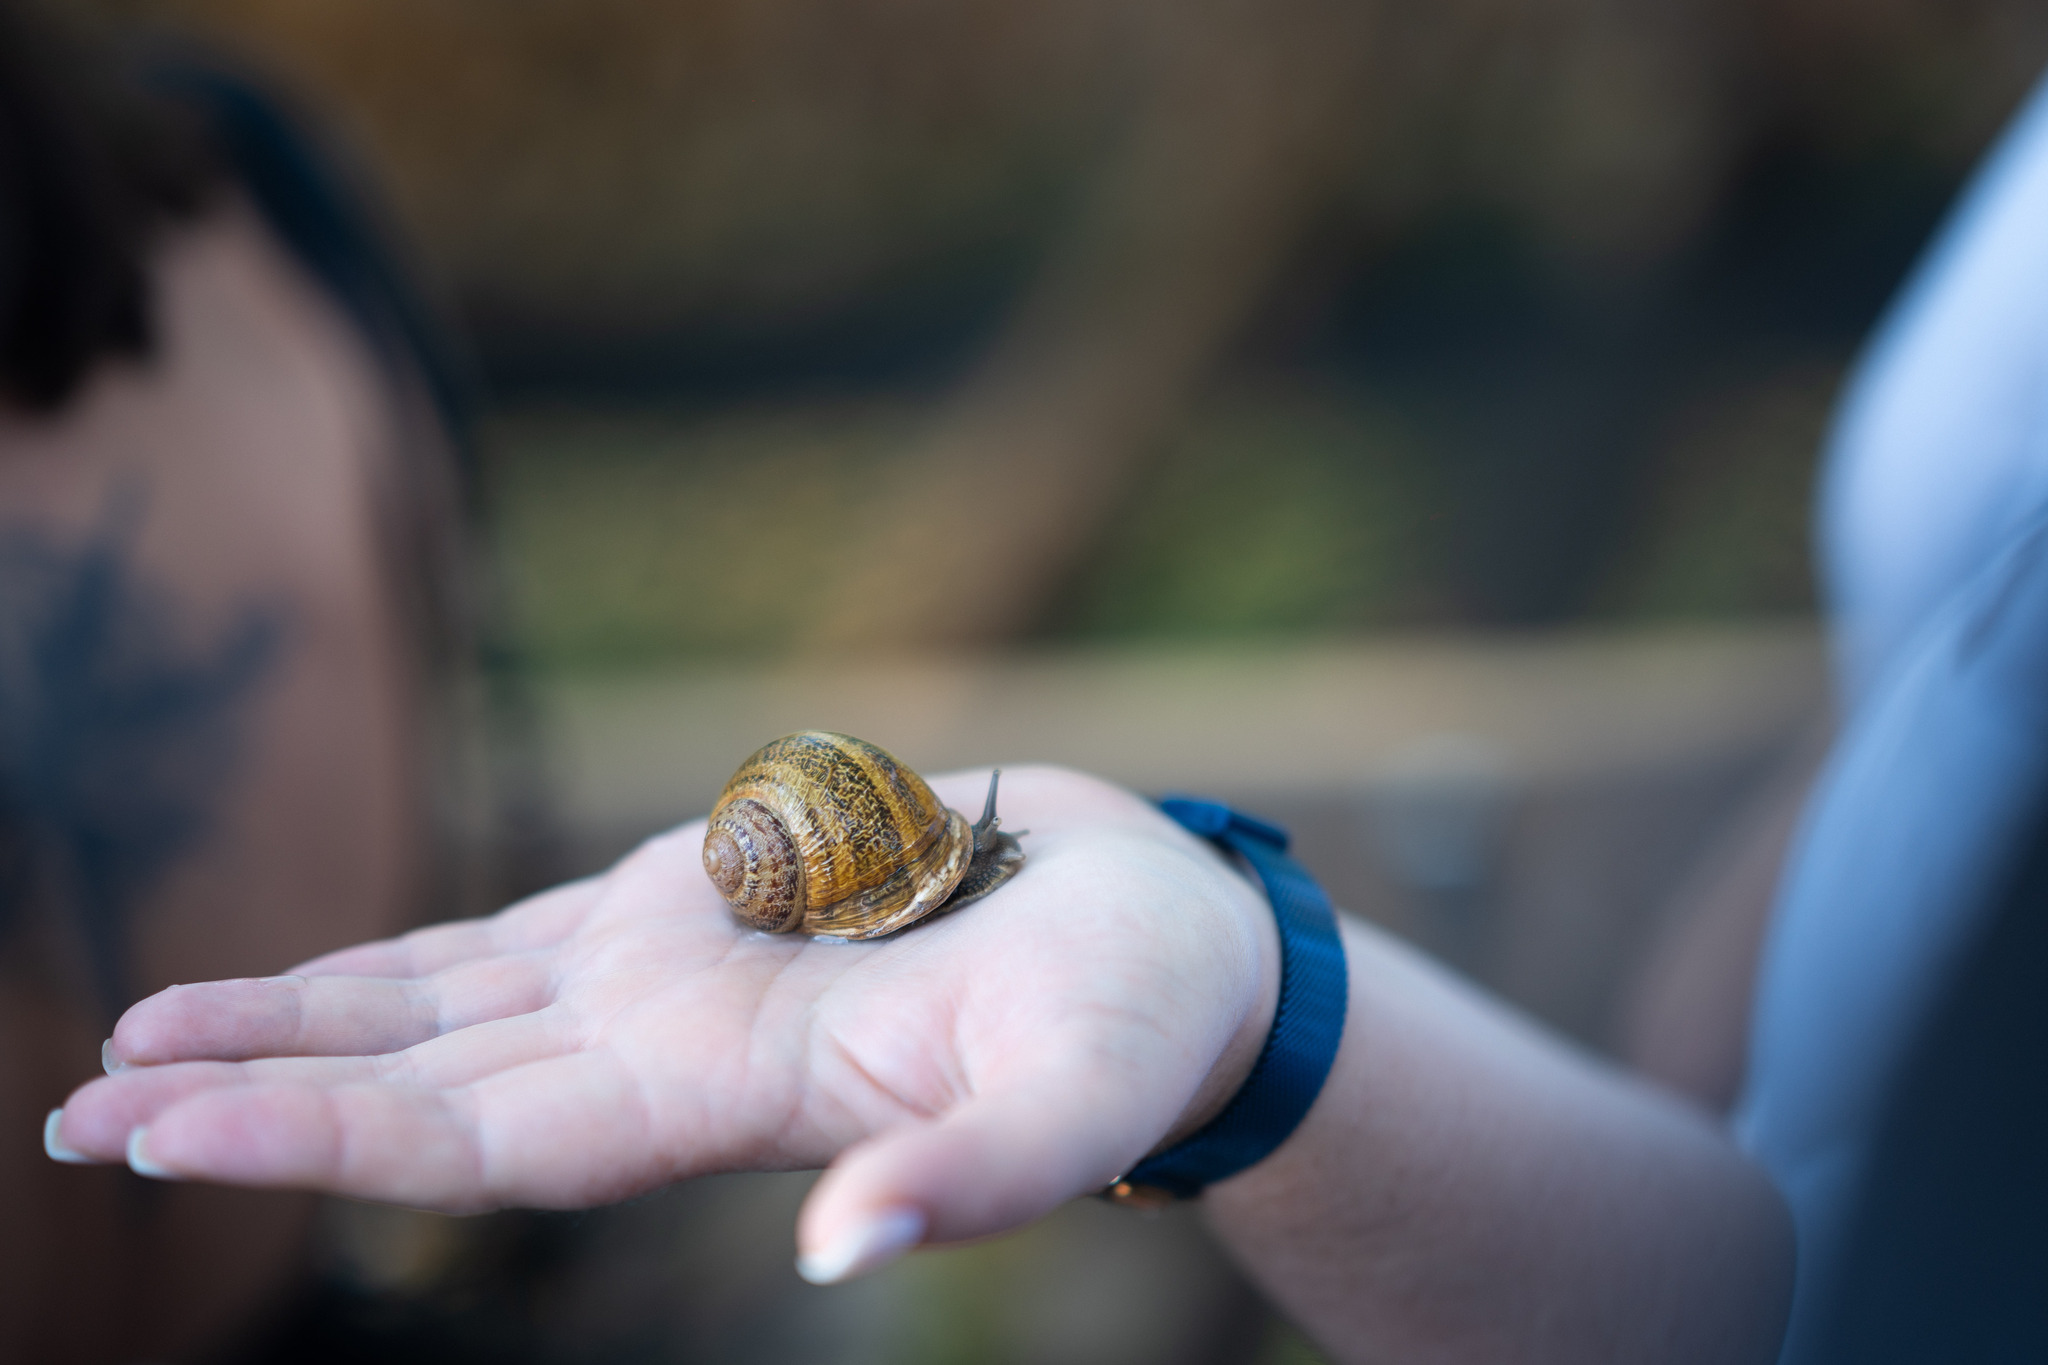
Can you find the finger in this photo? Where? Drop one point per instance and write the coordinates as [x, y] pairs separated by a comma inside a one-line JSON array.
[[560, 1133], [992, 1164], [539, 922], [347, 1139], [295, 1016], [98, 1117]]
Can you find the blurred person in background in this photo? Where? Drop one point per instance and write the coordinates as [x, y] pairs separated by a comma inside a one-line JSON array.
[[1892, 1068], [230, 626], [1467, 1188]]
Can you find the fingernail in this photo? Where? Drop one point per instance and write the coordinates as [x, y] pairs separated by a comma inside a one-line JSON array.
[[139, 1162], [108, 1062], [863, 1247], [281, 980], [53, 1146]]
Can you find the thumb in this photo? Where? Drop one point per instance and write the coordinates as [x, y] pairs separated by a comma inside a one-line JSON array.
[[991, 1164]]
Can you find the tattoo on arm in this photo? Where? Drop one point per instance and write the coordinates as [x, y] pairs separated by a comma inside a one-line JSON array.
[[120, 727]]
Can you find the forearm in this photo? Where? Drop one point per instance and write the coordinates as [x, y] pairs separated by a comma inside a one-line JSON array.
[[1467, 1189]]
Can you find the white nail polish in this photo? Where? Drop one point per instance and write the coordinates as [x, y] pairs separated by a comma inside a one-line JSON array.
[[108, 1063], [53, 1146], [139, 1162], [863, 1247]]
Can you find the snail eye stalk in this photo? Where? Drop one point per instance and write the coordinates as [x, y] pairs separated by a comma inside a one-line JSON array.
[[988, 821]]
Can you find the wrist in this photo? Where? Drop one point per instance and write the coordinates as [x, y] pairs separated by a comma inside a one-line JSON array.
[[1307, 1018], [1256, 945]]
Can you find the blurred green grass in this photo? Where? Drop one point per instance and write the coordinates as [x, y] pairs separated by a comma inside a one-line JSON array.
[[1285, 1345], [638, 537], [641, 538], [1273, 513], [1727, 529]]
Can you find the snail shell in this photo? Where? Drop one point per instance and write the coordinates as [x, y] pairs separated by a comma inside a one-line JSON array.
[[828, 834]]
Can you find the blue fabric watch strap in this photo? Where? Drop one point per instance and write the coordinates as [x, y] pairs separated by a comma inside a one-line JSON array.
[[1308, 1021]]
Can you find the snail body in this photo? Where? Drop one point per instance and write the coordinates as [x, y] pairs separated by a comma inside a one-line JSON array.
[[826, 834]]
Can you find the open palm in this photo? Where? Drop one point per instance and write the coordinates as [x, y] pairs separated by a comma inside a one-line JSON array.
[[622, 1032]]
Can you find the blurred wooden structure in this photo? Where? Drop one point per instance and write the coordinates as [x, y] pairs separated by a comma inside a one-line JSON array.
[[1523, 804], [590, 170]]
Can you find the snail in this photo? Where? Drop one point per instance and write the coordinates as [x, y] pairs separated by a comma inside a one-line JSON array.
[[829, 835]]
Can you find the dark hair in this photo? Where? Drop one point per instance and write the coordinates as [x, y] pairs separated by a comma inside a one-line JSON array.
[[101, 149], [91, 166]]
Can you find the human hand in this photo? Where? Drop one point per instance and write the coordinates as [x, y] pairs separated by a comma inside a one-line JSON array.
[[616, 1034]]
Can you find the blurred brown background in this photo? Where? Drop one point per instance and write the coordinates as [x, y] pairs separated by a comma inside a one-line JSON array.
[[1399, 416], [1252, 319]]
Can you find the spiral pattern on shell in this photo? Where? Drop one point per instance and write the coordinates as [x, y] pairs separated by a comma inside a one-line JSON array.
[[831, 835], [756, 867]]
